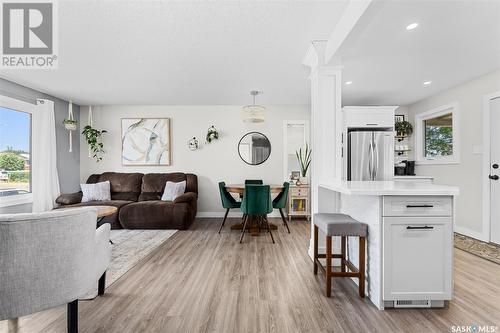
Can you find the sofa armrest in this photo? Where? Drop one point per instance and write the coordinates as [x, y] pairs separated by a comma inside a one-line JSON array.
[[186, 197], [70, 198]]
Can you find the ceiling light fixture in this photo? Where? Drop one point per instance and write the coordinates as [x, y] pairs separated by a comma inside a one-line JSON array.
[[348, 82], [411, 26], [426, 83], [254, 113]]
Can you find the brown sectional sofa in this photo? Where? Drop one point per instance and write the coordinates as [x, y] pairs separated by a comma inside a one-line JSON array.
[[138, 199]]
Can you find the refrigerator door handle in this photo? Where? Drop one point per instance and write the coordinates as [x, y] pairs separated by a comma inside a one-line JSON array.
[[370, 160]]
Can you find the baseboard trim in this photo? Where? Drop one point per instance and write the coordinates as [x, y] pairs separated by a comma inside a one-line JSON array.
[[234, 213], [470, 233]]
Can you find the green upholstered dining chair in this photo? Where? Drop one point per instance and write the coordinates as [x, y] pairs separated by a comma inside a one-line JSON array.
[[280, 202], [228, 202], [254, 182], [257, 204]]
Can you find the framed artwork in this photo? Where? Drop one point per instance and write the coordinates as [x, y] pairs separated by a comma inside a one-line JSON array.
[[295, 175], [399, 117], [146, 141]]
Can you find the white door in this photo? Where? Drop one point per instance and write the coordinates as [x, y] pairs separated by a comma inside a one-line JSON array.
[[495, 169]]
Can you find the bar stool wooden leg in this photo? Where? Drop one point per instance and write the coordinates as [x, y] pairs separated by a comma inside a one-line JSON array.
[[342, 248], [328, 266], [315, 246], [362, 241]]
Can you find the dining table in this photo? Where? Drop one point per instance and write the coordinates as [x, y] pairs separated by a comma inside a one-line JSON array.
[[240, 190]]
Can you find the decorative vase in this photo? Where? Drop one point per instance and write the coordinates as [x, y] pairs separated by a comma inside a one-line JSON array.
[[303, 180]]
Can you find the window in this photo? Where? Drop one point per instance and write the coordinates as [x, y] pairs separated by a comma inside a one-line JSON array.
[[437, 135], [15, 151]]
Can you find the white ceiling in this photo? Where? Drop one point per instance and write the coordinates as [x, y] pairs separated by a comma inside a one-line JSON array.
[[135, 52], [455, 41]]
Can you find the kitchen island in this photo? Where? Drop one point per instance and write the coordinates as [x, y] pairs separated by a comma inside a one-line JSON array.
[[410, 239]]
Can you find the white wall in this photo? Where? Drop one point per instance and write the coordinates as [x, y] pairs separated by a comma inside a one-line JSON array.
[[468, 173], [212, 163]]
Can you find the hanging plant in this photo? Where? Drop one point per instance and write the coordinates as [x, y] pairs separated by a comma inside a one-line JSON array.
[[212, 134], [193, 144], [70, 124], [92, 136], [403, 128]]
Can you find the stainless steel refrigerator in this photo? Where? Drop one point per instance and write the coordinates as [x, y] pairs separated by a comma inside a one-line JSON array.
[[370, 155]]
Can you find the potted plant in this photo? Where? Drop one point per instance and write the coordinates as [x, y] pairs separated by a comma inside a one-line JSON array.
[[304, 159], [70, 124], [92, 136], [403, 128], [212, 134]]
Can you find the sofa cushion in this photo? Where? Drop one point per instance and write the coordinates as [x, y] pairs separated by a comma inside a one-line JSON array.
[[124, 186], [153, 184], [156, 214], [173, 190], [96, 192]]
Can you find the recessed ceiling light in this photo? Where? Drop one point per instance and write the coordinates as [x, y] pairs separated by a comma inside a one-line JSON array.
[[411, 26], [426, 83], [348, 82]]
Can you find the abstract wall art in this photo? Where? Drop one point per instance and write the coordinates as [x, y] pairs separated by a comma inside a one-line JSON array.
[[146, 141]]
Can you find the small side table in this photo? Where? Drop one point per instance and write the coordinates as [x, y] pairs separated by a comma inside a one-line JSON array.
[[299, 201], [102, 212]]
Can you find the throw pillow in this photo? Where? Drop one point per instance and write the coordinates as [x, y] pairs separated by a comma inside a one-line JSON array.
[[173, 190], [96, 192]]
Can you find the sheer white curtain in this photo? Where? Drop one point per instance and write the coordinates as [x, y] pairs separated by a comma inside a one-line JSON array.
[[44, 178]]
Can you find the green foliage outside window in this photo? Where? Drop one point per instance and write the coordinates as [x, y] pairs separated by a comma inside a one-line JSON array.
[[438, 141], [11, 161]]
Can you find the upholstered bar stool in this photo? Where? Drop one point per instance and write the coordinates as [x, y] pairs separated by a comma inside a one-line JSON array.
[[344, 226]]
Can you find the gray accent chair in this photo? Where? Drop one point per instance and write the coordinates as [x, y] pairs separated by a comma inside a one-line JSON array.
[[51, 259]]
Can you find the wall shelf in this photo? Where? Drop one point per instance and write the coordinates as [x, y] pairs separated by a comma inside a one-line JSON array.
[[401, 151], [401, 137]]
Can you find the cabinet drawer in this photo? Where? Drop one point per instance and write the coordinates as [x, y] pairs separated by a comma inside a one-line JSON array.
[[299, 192], [417, 206], [417, 258]]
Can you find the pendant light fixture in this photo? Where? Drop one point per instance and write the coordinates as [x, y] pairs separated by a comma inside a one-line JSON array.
[[254, 113]]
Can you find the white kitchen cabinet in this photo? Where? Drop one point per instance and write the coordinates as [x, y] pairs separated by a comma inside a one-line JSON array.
[[417, 249], [369, 116], [416, 205]]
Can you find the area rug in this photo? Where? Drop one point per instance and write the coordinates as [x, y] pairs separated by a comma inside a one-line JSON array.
[[481, 249], [129, 248]]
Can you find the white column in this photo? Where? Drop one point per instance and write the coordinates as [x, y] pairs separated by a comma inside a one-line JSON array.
[[326, 124]]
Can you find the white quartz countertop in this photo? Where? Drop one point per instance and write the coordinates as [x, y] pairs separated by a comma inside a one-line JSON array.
[[389, 188]]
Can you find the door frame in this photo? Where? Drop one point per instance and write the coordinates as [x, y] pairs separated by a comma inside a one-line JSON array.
[[486, 228]]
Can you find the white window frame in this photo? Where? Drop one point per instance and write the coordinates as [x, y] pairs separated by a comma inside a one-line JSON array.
[[18, 105], [420, 135]]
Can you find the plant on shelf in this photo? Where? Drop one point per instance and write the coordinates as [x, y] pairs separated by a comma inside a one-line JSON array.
[[403, 128], [212, 134], [92, 136], [304, 159], [70, 124]]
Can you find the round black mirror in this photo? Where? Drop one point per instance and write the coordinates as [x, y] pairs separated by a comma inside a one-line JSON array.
[[254, 148]]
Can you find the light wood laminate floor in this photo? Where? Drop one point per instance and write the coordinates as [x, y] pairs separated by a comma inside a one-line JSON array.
[[200, 281]]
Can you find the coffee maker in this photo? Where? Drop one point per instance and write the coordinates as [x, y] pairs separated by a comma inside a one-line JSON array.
[[409, 167]]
